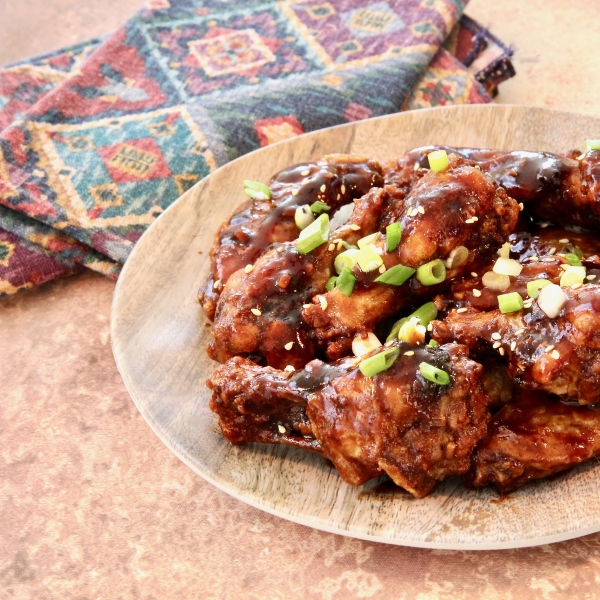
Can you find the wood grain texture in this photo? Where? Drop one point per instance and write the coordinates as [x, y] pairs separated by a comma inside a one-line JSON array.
[[159, 339]]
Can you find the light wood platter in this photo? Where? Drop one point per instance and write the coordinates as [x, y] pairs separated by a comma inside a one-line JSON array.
[[159, 336]]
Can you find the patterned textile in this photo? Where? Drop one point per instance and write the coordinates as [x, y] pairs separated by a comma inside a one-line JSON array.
[[98, 139]]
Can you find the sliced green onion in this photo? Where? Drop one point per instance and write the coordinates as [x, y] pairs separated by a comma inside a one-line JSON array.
[[345, 259], [552, 300], [504, 250], [432, 272], [396, 275], [573, 260], [368, 259], [314, 235], [303, 217], [379, 363], [495, 281], [434, 374], [536, 286], [510, 302], [412, 331], [507, 266], [572, 276], [393, 235], [256, 190], [319, 207], [432, 344], [438, 160], [368, 240], [426, 313], [330, 283], [572, 249], [592, 145], [457, 257], [364, 345], [345, 282]]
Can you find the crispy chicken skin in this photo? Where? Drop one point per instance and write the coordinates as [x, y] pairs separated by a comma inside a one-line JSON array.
[[560, 356], [259, 312], [434, 223], [562, 188], [534, 437], [397, 422], [336, 179]]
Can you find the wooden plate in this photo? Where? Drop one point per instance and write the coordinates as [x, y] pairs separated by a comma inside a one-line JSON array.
[[159, 336]]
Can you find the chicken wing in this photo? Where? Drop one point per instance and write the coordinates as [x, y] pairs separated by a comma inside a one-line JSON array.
[[397, 422], [336, 179], [534, 437]]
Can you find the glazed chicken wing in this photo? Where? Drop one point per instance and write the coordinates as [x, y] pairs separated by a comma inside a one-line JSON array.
[[532, 438], [397, 422], [336, 179], [559, 355]]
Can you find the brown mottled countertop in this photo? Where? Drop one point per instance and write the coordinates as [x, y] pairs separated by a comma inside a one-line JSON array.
[[94, 506]]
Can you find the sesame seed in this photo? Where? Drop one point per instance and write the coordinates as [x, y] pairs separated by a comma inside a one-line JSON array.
[[289, 368], [416, 167], [248, 268], [421, 210], [476, 293], [496, 336], [471, 220], [217, 283], [343, 189], [552, 251], [473, 274], [281, 428], [255, 311], [549, 348], [331, 247], [555, 354], [590, 277], [382, 269], [519, 331], [528, 304], [294, 192], [338, 196], [544, 225], [576, 286], [289, 345], [496, 345], [323, 188], [462, 310], [521, 206], [548, 259], [337, 240], [430, 327], [564, 267], [533, 258], [475, 218], [409, 353], [501, 351], [323, 302], [305, 173], [390, 343], [563, 241], [340, 245], [513, 345], [355, 227], [306, 305]]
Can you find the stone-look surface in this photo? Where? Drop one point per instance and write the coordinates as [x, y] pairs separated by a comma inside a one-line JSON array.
[[94, 506]]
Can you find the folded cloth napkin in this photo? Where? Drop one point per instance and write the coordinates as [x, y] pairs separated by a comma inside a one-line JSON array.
[[99, 138]]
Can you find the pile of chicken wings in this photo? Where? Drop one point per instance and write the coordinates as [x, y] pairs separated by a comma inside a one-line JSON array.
[[513, 345]]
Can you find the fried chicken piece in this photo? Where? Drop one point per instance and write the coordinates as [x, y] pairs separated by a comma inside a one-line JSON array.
[[562, 188], [397, 422], [560, 355], [336, 179], [259, 312], [532, 438], [460, 206]]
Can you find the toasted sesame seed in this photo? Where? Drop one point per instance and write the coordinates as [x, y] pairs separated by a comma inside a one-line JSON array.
[[462, 310], [548, 259], [323, 188], [430, 327], [576, 286], [521, 206], [343, 189], [544, 225], [496, 336], [473, 274], [519, 331], [306, 305], [476, 293], [416, 167], [590, 277], [289, 345], [549, 348], [281, 428], [533, 258], [382, 269], [478, 167], [496, 345], [255, 311], [217, 283], [421, 210], [552, 251], [409, 353], [528, 303], [355, 227], [331, 247], [289, 368], [501, 351], [471, 220], [513, 345], [475, 218], [305, 172], [248, 268], [338, 196], [564, 241], [322, 302], [555, 354], [390, 343], [295, 192]]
